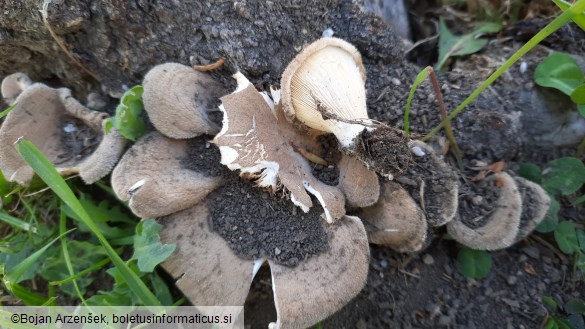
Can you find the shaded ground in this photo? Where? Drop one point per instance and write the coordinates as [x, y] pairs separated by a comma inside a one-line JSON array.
[[119, 42]]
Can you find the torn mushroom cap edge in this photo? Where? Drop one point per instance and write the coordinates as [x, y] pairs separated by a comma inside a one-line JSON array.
[[267, 172]]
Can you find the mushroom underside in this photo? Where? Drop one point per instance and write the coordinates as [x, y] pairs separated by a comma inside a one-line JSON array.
[[68, 134]]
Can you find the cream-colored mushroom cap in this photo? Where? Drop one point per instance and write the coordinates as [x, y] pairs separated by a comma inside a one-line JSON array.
[[327, 76]]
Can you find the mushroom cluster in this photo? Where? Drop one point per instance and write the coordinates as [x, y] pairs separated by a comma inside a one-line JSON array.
[[282, 142]]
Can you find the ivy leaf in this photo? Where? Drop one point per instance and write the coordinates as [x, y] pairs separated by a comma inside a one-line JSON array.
[[564, 176], [148, 250], [566, 237], [452, 45], [128, 119], [474, 263], [559, 71]]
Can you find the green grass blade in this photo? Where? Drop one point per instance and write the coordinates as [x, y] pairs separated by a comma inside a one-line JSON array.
[[5, 112], [51, 177], [16, 222], [17, 271], [579, 19], [421, 76], [62, 228], [29, 298], [79, 274], [553, 26]]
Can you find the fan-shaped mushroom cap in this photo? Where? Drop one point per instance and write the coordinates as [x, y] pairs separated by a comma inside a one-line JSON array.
[[13, 85], [256, 139], [209, 273], [432, 183], [152, 177], [321, 285], [178, 98], [328, 75], [395, 220], [535, 205], [500, 228], [38, 116], [360, 185]]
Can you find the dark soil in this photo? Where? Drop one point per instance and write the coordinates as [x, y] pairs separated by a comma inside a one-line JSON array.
[[331, 154], [78, 140], [425, 172], [384, 149], [254, 222], [477, 201]]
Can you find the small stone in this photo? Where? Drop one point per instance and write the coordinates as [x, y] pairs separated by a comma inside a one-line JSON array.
[[428, 259], [512, 280], [511, 302], [384, 263], [277, 251], [361, 324], [444, 321], [396, 81], [532, 252]]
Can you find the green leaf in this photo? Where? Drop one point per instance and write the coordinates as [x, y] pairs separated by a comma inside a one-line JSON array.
[[550, 302], [452, 45], [575, 306], [566, 237], [559, 71], [128, 119], [530, 171], [578, 95], [581, 239], [579, 19], [14, 274], [579, 200], [551, 220], [161, 290], [581, 109], [51, 177], [110, 220], [551, 323], [148, 250], [28, 297], [563, 176], [83, 255], [420, 77], [474, 263]]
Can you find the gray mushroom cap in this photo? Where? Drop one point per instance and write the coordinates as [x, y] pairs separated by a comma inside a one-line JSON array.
[[150, 175], [395, 220], [209, 273], [178, 99]]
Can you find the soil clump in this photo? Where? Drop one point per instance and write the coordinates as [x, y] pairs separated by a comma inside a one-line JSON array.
[[255, 222]]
